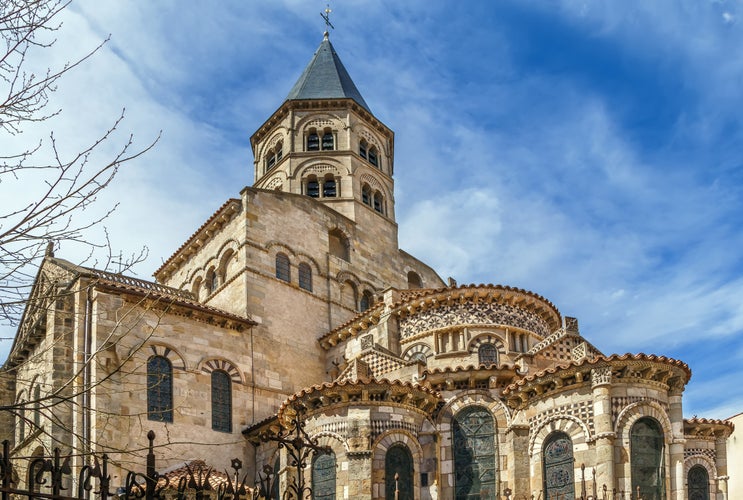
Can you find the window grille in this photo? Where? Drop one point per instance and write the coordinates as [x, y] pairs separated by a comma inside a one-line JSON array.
[[305, 276], [221, 401], [557, 464], [323, 477], [159, 389], [698, 483], [283, 271], [487, 354]]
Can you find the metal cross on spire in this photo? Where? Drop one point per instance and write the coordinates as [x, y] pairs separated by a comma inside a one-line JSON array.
[[326, 16]]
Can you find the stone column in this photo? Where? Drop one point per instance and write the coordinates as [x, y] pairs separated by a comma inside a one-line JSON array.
[[521, 479], [676, 450], [601, 388], [721, 463]]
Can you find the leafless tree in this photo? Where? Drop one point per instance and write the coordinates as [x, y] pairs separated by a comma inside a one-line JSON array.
[[60, 186]]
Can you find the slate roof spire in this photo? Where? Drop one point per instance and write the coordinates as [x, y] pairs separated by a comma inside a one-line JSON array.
[[325, 77]]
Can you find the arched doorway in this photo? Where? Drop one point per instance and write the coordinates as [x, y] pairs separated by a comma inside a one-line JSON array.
[[698, 483]]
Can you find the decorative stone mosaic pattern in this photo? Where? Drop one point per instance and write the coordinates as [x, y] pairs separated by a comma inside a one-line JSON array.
[[582, 411], [472, 314], [618, 404], [694, 452]]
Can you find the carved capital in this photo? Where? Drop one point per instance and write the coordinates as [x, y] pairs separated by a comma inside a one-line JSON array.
[[600, 376]]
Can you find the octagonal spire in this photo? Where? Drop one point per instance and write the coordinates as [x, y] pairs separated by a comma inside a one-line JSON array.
[[325, 77]]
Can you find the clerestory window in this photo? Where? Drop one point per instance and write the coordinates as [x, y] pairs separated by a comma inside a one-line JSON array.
[[221, 401], [283, 271], [159, 389]]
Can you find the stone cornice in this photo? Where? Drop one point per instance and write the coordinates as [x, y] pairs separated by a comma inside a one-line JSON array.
[[707, 428], [660, 371], [369, 392], [193, 244]]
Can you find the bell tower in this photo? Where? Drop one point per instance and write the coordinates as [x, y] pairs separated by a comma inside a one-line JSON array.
[[324, 142]]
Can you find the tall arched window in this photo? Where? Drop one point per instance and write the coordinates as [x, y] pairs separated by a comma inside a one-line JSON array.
[[305, 276], [646, 458], [378, 202], [363, 148], [328, 188], [366, 195], [367, 300], [328, 142], [313, 141], [221, 401], [474, 454], [698, 483], [313, 187], [373, 158], [398, 473], [323, 476], [557, 466], [212, 281], [283, 271], [487, 354], [37, 406], [159, 389]]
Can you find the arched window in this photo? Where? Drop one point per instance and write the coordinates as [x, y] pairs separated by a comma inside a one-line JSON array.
[[221, 401], [378, 202], [328, 187], [373, 158], [339, 244], [414, 281], [474, 454], [313, 187], [363, 148], [212, 281], [328, 143], [159, 389], [398, 473], [487, 355], [21, 415], [305, 276], [366, 194], [323, 476], [646, 458], [557, 466], [37, 406], [367, 300], [282, 267], [313, 141], [224, 263], [196, 290], [698, 483]]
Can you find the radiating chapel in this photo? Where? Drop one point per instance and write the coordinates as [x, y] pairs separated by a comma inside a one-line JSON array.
[[293, 300]]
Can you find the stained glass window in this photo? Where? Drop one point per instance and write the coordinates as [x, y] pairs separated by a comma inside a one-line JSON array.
[[475, 454], [305, 276], [698, 483], [282, 267], [487, 354], [221, 401], [159, 389], [323, 477], [398, 473], [646, 457], [558, 466]]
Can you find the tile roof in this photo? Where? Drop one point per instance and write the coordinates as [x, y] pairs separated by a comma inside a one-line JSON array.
[[325, 77]]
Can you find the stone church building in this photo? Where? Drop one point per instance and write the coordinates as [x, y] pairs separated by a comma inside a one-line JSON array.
[[294, 300]]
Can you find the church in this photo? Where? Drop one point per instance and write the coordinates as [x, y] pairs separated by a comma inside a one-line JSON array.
[[293, 301]]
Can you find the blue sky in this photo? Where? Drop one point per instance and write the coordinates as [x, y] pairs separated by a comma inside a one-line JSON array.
[[587, 151]]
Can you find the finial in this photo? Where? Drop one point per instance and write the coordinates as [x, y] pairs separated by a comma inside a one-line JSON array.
[[328, 24]]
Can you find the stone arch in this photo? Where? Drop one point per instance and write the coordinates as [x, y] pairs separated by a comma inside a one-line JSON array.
[[371, 138], [635, 411], [486, 338], [379, 453], [474, 397], [574, 427], [276, 182], [283, 247], [167, 351], [328, 438], [320, 121], [319, 168], [304, 257], [281, 135], [211, 364], [414, 351], [705, 462]]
